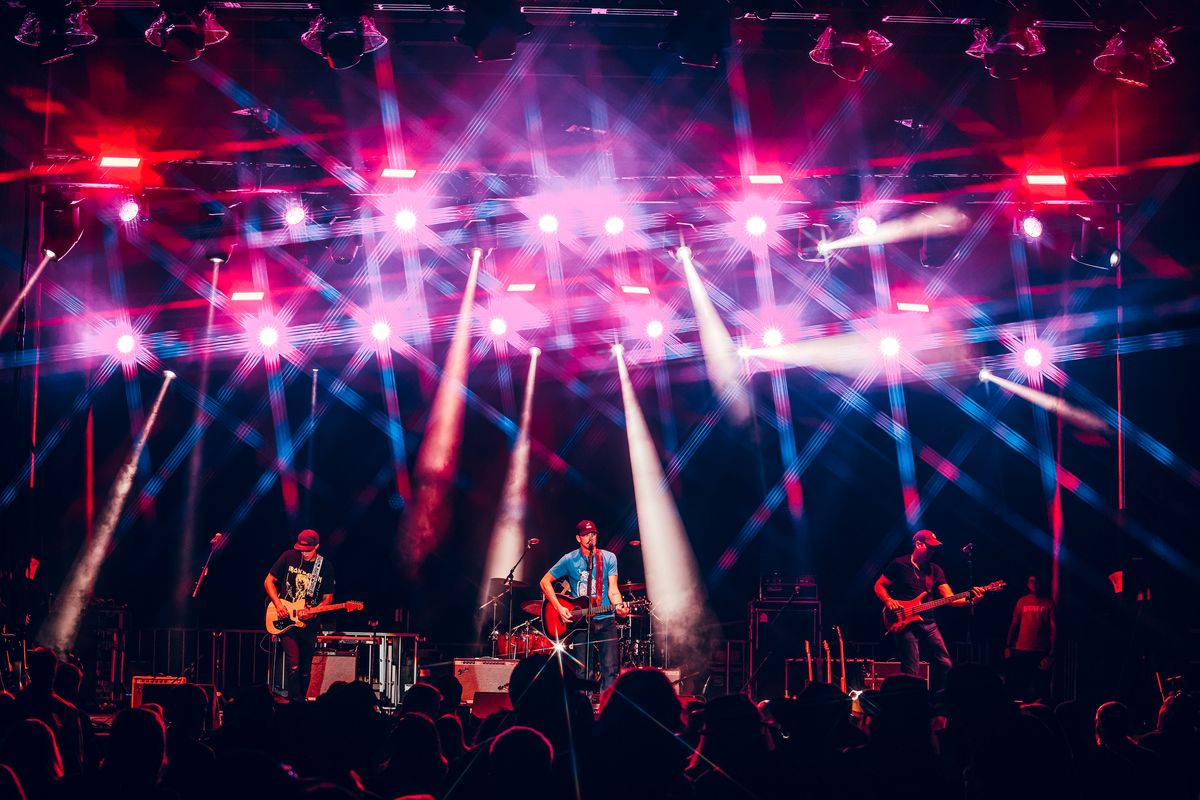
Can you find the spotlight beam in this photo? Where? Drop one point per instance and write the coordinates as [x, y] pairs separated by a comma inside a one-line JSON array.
[[508, 534], [59, 631], [437, 459], [672, 578], [720, 359], [21, 295], [1055, 405], [938, 221]]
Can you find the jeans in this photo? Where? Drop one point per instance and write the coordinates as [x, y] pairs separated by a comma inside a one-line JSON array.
[[603, 636], [298, 647], [908, 641]]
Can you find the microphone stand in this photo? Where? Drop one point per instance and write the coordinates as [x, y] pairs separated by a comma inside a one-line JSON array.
[[508, 582], [216, 544], [970, 551]]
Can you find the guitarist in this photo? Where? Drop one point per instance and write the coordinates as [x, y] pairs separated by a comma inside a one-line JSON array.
[[299, 573], [591, 572], [906, 578]]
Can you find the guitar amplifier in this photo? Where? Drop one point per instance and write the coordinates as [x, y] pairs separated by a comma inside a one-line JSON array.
[[139, 683], [882, 670], [795, 588], [483, 675], [778, 631], [330, 667]]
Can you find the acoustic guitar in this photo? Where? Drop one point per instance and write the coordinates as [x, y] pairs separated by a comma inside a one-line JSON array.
[[581, 612]]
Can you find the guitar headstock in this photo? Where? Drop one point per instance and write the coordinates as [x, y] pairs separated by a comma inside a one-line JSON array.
[[994, 586], [354, 605]]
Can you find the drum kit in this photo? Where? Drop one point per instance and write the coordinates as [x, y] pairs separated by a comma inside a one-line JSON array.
[[635, 632]]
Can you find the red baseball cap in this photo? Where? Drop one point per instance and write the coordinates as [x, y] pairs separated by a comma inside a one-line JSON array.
[[307, 540], [585, 527], [929, 538]]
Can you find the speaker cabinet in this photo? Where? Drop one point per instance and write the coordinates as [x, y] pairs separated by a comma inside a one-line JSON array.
[[778, 631], [882, 670], [329, 668], [483, 675]]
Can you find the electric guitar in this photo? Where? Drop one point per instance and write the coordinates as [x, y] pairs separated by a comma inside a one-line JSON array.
[[554, 626], [896, 620], [297, 613]]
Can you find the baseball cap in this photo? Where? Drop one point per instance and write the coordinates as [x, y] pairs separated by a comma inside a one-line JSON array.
[[928, 537], [307, 540], [585, 527]]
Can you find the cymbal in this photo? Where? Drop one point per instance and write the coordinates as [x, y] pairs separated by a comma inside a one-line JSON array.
[[497, 584], [532, 607], [630, 586]]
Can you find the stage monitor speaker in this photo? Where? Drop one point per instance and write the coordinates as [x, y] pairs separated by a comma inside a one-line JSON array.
[[882, 670], [142, 688], [483, 675], [778, 631], [328, 668]]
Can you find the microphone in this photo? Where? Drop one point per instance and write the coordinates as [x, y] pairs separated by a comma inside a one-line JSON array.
[[533, 542], [970, 548]]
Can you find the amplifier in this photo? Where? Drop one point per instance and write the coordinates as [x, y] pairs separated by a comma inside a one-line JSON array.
[[330, 667], [139, 682], [483, 675], [780, 587], [882, 670], [778, 631]]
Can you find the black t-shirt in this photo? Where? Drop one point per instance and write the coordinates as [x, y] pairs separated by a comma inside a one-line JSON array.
[[293, 575], [908, 581]]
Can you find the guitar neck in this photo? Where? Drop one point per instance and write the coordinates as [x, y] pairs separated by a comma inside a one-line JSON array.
[[941, 601]]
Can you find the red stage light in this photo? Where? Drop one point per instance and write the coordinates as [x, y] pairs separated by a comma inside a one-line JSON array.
[[120, 161], [129, 211], [1046, 179]]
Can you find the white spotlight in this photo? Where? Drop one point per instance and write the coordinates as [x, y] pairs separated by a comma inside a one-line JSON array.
[[1033, 357], [867, 226], [126, 343], [1032, 227], [169, 375], [614, 225], [889, 346], [985, 375], [772, 337], [294, 215], [498, 326], [683, 252], [756, 226], [129, 211], [535, 351], [743, 352], [548, 223], [405, 219], [268, 337], [654, 328], [618, 349], [381, 331]]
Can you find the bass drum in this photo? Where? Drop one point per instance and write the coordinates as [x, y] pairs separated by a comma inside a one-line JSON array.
[[519, 645]]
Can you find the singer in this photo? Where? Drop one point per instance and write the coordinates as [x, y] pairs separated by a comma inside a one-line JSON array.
[[591, 572]]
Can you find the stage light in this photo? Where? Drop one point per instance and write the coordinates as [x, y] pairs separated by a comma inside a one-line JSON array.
[[772, 337], [61, 225], [294, 215], [343, 33], [1095, 247], [889, 346], [268, 336], [548, 223], [985, 375], [405, 219], [184, 28], [398, 172], [243, 296], [1004, 51], [765, 179], [126, 343], [744, 352], [522, 287], [1032, 227], [169, 374], [922, 307], [614, 225], [654, 328], [848, 48], [1032, 357], [535, 351], [756, 226], [129, 210], [56, 29], [498, 326], [381, 331], [627, 289], [867, 225], [1132, 54], [1046, 179], [683, 252], [491, 29], [618, 349], [110, 162]]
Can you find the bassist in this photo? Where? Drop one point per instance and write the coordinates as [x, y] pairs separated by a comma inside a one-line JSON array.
[[592, 573], [300, 574], [907, 578]]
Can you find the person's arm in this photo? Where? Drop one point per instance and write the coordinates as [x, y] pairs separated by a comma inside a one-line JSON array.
[[614, 597], [881, 591], [547, 587], [269, 584]]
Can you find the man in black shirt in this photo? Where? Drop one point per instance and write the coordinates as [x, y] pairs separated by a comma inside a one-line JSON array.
[[300, 574], [907, 578]]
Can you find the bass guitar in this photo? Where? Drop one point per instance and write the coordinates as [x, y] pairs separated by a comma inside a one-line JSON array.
[[556, 629], [297, 613], [897, 619]]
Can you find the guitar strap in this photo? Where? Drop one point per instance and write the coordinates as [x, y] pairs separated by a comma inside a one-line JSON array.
[[598, 572], [314, 579]]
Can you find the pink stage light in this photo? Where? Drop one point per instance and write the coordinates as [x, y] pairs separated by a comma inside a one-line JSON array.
[[772, 337], [1046, 179], [889, 346], [631, 289], [129, 211], [126, 343], [381, 331], [1032, 227], [654, 328], [548, 223], [498, 326], [398, 172], [614, 225], [294, 215], [120, 161], [245, 296], [766, 179], [268, 336], [756, 225], [405, 219], [522, 287], [867, 225], [1033, 358], [922, 307]]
